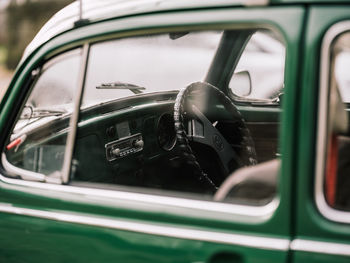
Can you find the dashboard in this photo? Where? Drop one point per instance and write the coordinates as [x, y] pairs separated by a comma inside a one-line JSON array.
[[133, 142], [130, 146]]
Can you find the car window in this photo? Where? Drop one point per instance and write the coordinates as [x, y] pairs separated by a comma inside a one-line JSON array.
[[150, 122], [38, 141], [154, 63], [337, 172], [263, 60], [342, 65]]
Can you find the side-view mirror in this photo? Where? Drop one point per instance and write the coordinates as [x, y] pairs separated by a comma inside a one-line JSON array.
[[258, 182], [241, 84]]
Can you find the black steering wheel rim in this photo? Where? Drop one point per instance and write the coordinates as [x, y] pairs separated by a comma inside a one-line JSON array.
[[185, 150]]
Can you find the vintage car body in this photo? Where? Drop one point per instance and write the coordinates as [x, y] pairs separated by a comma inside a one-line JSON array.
[[66, 207]]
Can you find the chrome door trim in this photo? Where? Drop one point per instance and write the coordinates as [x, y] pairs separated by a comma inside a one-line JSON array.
[[327, 211], [279, 244], [67, 162], [146, 202], [321, 247]]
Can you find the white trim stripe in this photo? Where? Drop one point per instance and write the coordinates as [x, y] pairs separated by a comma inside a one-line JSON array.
[[279, 244], [276, 244], [320, 247]]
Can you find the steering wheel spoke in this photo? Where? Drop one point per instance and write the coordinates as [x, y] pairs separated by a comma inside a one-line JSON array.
[[201, 130], [212, 137]]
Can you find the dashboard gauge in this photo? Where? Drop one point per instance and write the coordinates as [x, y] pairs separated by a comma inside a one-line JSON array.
[[166, 132]]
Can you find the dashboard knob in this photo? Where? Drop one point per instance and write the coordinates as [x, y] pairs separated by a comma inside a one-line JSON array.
[[116, 152], [138, 144], [111, 132]]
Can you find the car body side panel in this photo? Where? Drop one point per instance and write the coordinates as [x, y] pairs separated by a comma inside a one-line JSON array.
[[311, 225], [58, 241], [44, 218]]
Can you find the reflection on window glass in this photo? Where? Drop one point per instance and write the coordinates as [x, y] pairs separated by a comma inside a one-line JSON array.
[[337, 173], [154, 63], [137, 131], [38, 140], [263, 59], [341, 50]]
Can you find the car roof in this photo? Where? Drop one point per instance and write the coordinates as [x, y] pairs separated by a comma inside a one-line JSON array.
[[93, 11]]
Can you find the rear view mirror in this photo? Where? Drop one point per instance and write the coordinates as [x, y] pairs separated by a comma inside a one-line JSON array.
[[241, 84]]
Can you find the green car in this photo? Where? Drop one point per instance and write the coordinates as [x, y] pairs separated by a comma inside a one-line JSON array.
[[180, 131]]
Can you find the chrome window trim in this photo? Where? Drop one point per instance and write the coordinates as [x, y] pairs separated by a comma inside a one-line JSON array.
[[56, 177], [259, 242], [68, 154], [327, 211], [146, 202], [320, 247], [25, 174]]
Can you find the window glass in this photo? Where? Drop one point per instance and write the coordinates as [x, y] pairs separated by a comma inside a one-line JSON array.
[[263, 62], [154, 63], [38, 140], [342, 65], [150, 122], [337, 172]]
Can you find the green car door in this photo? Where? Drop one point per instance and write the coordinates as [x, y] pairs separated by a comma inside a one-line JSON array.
[[322, 231], [58, 202]]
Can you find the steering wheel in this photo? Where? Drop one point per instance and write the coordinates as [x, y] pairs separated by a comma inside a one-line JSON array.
[[201, 130]]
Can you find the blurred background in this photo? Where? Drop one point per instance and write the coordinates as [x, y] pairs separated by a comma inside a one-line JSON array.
[[20, 20]]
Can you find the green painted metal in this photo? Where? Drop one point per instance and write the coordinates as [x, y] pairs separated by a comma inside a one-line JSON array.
[[309, 223], [42, 238], [36, 239]]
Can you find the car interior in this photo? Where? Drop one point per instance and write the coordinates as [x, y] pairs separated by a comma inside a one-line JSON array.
[[158, 111]]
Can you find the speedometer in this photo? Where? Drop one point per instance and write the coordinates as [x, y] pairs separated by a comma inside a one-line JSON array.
[[166, 132]]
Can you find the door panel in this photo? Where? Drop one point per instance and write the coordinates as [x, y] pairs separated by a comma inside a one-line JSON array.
[[88, 239], [57, 223], [321, 233]]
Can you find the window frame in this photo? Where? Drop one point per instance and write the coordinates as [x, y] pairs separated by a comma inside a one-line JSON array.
[[47, 63], [321, 128], [245, 100], [213, 210]]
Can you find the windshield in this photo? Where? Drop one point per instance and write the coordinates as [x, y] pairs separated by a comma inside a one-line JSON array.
[[153, 63]]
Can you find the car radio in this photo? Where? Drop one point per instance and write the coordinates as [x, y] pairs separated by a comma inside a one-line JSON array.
[[124, 147]]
